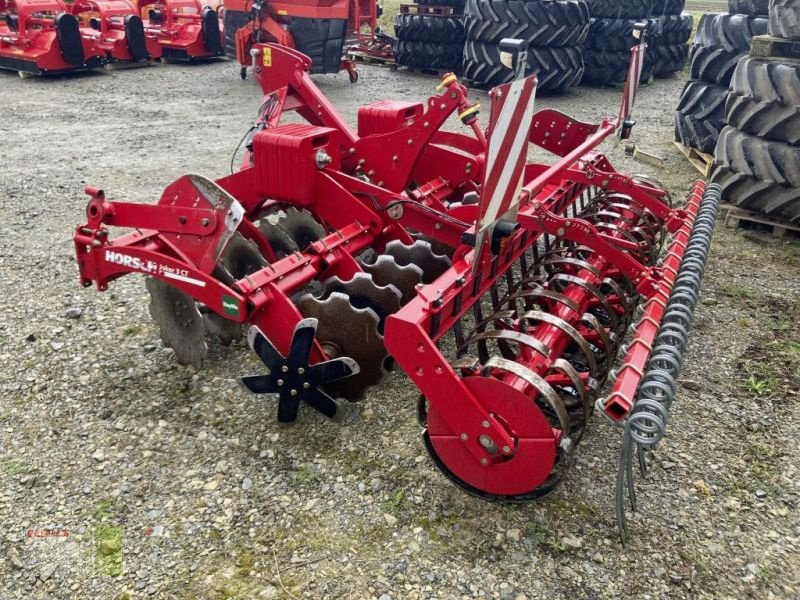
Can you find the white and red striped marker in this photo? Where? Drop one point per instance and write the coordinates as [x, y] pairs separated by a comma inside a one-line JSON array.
[[632, 83], [509, 130]]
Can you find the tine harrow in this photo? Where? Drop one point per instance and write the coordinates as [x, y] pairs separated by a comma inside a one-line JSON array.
[[504, 289]]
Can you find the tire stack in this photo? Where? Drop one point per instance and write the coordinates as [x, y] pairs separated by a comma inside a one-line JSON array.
[[668, 37], [608, 47], [758, 154], [721, 40], [554, 29], [430, 41]]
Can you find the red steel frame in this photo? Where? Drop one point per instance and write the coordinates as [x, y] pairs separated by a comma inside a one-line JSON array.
[[321, 166], [34, 47], [180, 35], [111, 37]]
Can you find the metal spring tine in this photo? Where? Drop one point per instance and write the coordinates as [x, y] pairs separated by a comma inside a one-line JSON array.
[[546, 391], [458, 336]]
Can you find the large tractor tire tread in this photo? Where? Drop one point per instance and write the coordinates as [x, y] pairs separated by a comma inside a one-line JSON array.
[[429, 28], [714, 65], [611, 68], [668, 7], [427, 55], [764, 99], [622, 9], [552, 23], [759, 158], [668, 59], [613, 35], [670, 30], [700, 116], [765, 197], [784, 19], [753, 8], [556, 68], [733, 33]]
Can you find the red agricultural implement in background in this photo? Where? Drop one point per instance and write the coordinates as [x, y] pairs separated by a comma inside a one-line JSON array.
[[39, 37], [116, 29], [185, 29], [330, 32], [503, 288]]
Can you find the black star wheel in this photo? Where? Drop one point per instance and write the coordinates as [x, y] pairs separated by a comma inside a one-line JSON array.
[[291, 377]]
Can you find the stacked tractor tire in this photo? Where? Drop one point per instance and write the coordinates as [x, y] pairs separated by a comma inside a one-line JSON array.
[[611, 38], [430, 35], [758, 154], [721, 41], [555, 31]]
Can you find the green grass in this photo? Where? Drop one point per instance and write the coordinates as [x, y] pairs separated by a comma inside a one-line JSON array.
[[390, 9], [15, 467]]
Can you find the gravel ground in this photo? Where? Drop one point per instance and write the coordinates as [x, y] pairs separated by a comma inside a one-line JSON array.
[[124, 475]]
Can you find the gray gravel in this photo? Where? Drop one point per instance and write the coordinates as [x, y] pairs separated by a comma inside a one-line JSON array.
[[194, 491]]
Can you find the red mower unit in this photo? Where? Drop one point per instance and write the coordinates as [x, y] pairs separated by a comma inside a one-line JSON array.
[[185, 29], [116, 29], [41, 37], [329, 32], [503, 288]]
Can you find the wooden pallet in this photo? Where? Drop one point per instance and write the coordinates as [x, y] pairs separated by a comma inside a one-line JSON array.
[[766, 46], [426, 9], [368, 59], [700, 160], [740, 218]]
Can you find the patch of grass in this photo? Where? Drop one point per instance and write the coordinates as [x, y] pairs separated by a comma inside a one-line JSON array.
[[390, 9], [106, 509], [396, 502], [735, 291], [544, 535], [766, 573], [132, 329], [306, 474], [759, 387], [15, 467]]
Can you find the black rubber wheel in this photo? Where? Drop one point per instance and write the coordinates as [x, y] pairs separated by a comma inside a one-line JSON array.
[[668, 7], [557, 69], [212, 36], [614, 35], [426, 55], [700, 115], [429, 28], [551, 23], [69, 39], [713, 64], [759, 158], [764, 99], [352, 76], [621, 9], [670, 30], [784, 19], [732, 33], [766, 197], [611, 68], [668, 59], [754, 8], [243, 72], [233, 21]]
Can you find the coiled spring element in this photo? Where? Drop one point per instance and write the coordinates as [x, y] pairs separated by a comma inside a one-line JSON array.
[[647, 422]]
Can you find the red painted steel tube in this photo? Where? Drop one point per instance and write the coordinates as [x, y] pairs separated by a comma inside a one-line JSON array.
[[620, 401]]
